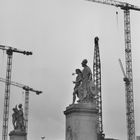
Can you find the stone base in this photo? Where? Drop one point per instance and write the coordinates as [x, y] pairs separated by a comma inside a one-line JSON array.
[[18, 135], [81, 121], [138, 138]]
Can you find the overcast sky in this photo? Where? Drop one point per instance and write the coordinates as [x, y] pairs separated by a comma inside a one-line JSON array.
[[60, 33]]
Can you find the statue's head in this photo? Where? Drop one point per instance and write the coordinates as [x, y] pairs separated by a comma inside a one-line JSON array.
[[84, 62], [78, 71], [20, 105], [14, 109]]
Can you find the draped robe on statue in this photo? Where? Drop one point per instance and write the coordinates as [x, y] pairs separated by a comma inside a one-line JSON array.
[[87, 90]]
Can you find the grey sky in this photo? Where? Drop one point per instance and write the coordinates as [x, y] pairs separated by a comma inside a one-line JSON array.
[[61, 34]]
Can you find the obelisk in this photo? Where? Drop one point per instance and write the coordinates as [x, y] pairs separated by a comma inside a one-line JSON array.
[[81, 117]]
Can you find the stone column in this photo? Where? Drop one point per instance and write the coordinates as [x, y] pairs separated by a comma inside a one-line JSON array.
[[18, 135], [81, 121]]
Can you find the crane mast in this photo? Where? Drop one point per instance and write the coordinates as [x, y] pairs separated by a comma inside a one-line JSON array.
[[9, 51], [126, 7], [97, 82], [129, 87], [26, 109], [7, 95]]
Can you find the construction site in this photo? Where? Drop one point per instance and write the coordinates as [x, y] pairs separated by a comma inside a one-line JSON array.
[[104, 36]]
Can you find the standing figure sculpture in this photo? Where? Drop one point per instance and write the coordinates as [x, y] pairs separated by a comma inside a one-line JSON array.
[[87, 77], [15, 117], [18, 118], [77, 83]]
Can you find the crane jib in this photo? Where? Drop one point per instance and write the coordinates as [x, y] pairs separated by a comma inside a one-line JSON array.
[[122, 5]]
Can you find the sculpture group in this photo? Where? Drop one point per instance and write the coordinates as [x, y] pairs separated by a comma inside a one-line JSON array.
[[84, 88], [18, 118]]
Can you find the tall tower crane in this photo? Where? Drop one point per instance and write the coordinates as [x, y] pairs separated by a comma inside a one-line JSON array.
[[26, 104], [97, 81], [126, 7], [9, 51]]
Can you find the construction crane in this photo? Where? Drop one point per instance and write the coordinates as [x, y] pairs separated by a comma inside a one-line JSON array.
[[97, 82], [9, 51], [126, 7], [26, 105]]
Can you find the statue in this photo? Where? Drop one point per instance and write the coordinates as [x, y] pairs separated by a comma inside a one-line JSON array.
[[85, 90], [14, 116], [77, 83], [18, 118]]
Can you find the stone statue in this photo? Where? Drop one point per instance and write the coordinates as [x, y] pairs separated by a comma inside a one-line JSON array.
[[18, 118], [85, 90], [15, 116], [77, 83]]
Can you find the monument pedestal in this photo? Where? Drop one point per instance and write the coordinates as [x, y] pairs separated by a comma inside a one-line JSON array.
[[81, 121], [18, 135]]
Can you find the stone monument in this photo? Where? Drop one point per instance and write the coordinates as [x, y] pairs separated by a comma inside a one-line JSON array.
[[81, 117], [18, 121]]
